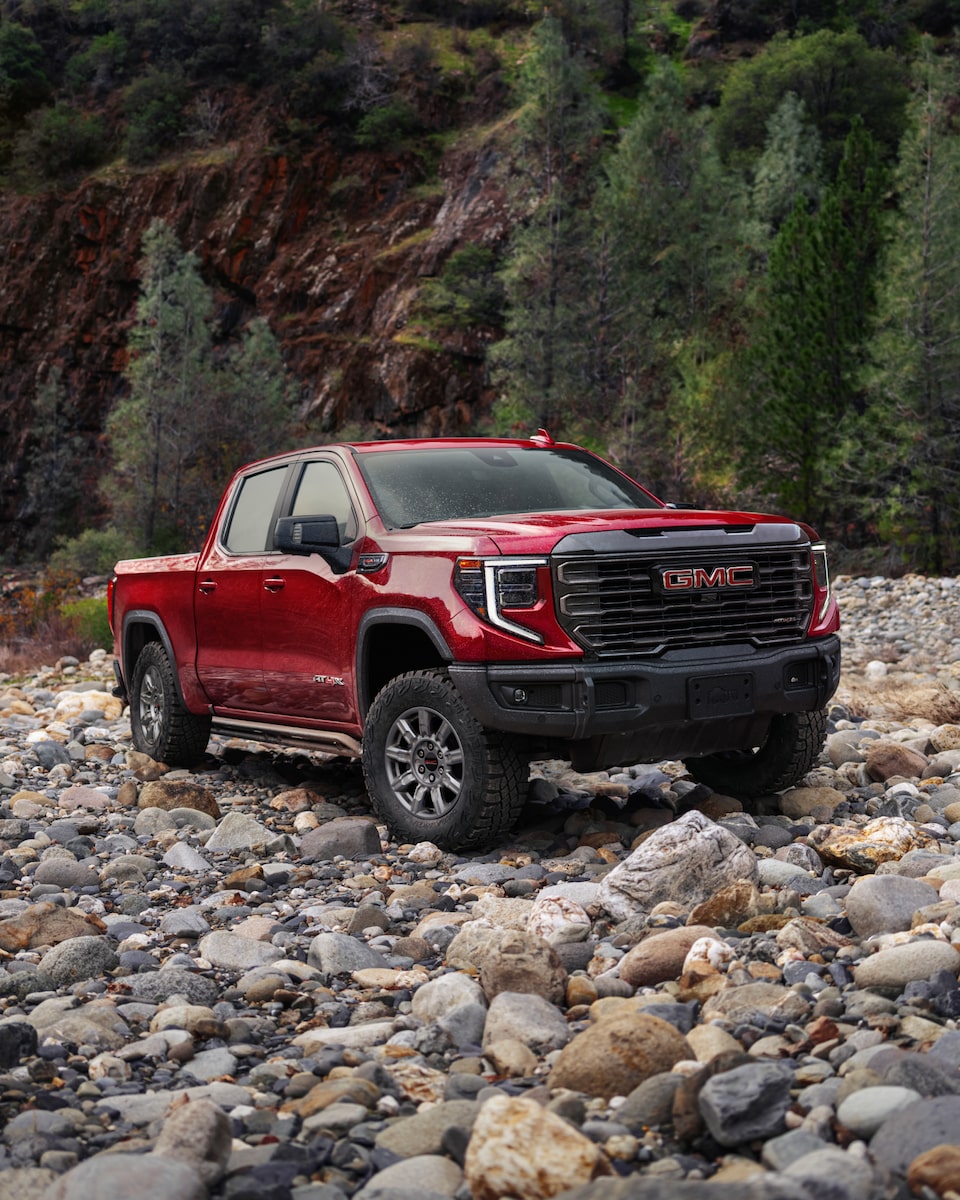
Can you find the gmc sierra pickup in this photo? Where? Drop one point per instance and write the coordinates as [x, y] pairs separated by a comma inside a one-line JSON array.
[[448, 609]]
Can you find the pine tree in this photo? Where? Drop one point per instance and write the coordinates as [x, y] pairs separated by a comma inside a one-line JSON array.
[[917, 351], [669, 226], [159, 425], [538, 365], [53, 486], [193, 413], [790, 166], [808, 345]]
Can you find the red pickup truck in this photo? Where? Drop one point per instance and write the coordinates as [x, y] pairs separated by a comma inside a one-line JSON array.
[[449, 609]]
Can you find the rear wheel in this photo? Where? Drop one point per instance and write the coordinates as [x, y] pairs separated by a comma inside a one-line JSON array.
[[791, 748], [161, 725], [433, 772]]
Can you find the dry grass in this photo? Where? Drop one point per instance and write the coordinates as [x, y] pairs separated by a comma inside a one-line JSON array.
[[901, 702]]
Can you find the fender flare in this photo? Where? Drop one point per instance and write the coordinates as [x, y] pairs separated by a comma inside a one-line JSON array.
[[144, 616], [392, 616]]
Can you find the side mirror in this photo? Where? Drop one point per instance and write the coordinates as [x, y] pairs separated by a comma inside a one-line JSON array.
[[314, 535], [307, 535]]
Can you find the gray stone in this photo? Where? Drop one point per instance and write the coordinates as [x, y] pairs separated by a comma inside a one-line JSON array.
[[746, 1102], [67, 873], [183, 857], [25, 1183], [424, 1133], [207, 1065], [831, 1174], [120, 1176], [913, 1130], [779, 1152], [650, 1104], [79, 958], [886, 903], [238, 831], [199, 1135], [865, 1110], [231, 952], [184, 922], [895, 966], [424, 1173], [340, 954], [527, 1018], [157, 986], [353, 838]]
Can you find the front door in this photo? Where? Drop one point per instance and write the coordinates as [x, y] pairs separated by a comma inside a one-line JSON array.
[[308, 651]]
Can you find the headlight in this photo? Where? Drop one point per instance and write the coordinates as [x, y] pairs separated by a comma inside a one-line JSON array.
[[821, 575], [489, 585]]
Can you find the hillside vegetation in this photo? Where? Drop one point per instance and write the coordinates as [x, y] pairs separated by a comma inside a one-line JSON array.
[[714, 240]]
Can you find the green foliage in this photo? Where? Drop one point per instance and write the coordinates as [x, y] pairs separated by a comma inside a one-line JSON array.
[[154, 107], [191, 414], [92, 552], [58, 145], [916, 378], [23, 79], [101, 65], [467, 293], [52, 491], [88, 621], [836, 75], [788, 172], [810, 342], [387, 126], [539, 363]]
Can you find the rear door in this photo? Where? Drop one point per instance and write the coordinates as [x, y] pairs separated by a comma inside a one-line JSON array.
[[229, 591]]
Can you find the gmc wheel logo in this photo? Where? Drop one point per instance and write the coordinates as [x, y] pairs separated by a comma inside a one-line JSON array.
[[688, 579]]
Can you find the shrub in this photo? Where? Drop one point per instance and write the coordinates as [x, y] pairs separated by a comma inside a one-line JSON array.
[[387, 125], [154, 107], [88, 622], [58, 144], [23, 83], [468, 291], [100, 65], [93, 552]]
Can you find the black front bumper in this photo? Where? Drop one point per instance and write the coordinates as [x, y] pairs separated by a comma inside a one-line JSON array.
[[686, 702]]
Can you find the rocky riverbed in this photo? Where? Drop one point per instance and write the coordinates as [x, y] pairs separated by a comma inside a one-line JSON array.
[[229, 982]]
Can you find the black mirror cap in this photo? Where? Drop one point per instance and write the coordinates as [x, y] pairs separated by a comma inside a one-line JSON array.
[[307, 535]]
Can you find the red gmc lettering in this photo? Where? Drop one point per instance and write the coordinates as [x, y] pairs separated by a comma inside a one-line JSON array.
[[678, 579]]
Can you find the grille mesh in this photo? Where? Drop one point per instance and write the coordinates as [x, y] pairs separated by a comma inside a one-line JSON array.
[[610, 603]]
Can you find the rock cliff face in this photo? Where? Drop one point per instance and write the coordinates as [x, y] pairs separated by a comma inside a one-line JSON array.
[[328, 246]]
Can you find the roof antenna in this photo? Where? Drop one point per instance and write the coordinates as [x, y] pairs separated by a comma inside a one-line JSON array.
[[542, 438]]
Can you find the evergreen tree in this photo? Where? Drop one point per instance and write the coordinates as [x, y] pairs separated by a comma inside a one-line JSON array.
[[53, 487], [190, 416], [917, 351], [790, 166], [809, 342], [669, 228], [538, 365], [160, 424]]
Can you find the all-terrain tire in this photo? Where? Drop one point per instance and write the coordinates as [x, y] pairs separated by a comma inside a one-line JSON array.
[[791, 749], [434, 773], [161, 725]]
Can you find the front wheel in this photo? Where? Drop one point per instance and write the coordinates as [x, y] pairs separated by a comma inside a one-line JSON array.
[[161, 725], [433, 772], [791, 748]]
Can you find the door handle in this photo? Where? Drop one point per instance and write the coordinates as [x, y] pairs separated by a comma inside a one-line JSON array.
[[274, 584], [207, 586]]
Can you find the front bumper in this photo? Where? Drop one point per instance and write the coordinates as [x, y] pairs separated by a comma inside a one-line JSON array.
[[692, 701]]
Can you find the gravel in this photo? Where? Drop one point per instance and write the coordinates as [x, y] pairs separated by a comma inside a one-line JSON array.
[[229, 983]]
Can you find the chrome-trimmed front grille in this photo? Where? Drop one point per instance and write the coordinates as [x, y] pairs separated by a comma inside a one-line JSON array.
[[612, 604]]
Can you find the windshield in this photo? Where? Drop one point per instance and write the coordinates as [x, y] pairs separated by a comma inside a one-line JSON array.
[[452, 483]]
